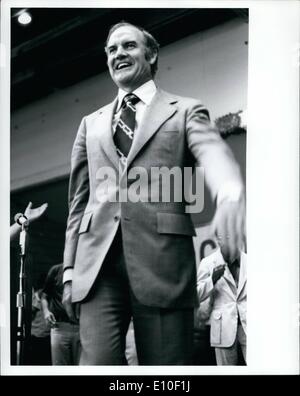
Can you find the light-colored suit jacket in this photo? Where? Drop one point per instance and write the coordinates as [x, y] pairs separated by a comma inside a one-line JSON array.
[[157, 236], [228, 300]]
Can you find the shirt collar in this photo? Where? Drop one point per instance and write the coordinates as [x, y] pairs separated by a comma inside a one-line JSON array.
[[144, 92]]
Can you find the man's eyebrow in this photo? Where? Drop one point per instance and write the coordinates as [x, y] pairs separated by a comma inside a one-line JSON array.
[[126, 42], [130, 42]]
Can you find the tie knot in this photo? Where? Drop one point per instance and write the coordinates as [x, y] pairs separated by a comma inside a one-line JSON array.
[[130, 99]]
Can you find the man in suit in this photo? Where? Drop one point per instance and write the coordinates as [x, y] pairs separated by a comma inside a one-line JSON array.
[[224, 283], [128, 259]]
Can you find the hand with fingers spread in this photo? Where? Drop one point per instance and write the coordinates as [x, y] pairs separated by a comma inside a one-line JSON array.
[[31, 215], [36, 213]]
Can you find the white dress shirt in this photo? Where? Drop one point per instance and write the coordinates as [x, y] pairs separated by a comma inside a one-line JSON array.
[[145, 93]]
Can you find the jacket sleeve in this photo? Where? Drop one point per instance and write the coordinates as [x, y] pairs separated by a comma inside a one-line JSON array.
[[205, 285], [78, 194], [210, 150]]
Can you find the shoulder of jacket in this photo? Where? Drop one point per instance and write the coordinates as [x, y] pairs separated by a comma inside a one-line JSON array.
[[96, 113], [182, 100]]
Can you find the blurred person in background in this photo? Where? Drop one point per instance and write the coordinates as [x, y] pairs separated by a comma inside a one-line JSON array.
[[39, 346], [224, 282], [65, 343]]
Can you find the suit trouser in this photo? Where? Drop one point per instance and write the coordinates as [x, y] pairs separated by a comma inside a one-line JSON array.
[[162, 336], [229, 356], [65, 344]]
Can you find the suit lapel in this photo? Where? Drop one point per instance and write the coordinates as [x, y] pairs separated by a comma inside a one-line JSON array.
[[160, 109], [243, 274], [104, 125]]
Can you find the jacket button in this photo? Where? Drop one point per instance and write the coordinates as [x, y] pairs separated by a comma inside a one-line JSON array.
[[116, 218]]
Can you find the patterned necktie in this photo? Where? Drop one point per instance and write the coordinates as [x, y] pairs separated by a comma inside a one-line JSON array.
[[123, 136]]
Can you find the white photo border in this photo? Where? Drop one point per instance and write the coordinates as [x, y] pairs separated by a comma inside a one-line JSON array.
[[272, 190]]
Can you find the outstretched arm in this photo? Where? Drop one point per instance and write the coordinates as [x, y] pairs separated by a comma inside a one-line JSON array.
[[32, 215], [223, 177], [36, 213]]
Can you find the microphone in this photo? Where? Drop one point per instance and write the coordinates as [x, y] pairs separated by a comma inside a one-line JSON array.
[[21, 219]]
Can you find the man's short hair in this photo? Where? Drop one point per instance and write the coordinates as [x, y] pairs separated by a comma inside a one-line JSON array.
[[151, 44]]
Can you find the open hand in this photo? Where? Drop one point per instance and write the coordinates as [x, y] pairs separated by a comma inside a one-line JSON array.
[[36, 213], [229, 227]]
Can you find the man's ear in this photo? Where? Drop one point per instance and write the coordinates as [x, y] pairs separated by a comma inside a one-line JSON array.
[[152, 56]]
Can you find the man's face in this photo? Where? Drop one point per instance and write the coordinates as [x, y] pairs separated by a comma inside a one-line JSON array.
[[126, 58]]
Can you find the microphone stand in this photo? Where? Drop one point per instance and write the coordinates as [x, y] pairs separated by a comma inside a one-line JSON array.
[[21, 295]]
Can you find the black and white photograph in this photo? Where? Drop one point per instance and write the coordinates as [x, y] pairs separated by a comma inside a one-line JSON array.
[[150, 185]]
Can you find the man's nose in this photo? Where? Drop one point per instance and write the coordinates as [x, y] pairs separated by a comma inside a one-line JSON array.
[[120, 52]]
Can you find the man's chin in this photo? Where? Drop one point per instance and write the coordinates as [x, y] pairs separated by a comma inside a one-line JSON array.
[[123, 77]]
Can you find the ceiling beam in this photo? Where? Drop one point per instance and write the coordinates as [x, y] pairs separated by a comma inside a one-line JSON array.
[[56, 32]]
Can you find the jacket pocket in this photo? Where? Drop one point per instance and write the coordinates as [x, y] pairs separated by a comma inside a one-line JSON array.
[[85, 222], [175, 223], [216, 328]]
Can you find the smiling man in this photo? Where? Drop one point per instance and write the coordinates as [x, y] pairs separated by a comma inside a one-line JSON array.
[[131, 57], [136, 260]]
